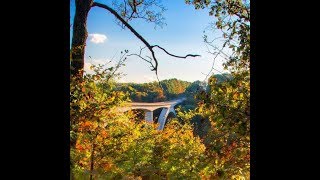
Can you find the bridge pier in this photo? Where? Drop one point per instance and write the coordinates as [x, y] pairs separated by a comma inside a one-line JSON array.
[[164, 115], [162, 118], [148, 116]]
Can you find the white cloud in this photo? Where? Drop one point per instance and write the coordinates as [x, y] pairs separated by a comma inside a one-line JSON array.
[[98, 38]]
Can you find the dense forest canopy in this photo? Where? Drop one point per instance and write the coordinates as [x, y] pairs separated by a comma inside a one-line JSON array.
[[152, 92], [171, 89]]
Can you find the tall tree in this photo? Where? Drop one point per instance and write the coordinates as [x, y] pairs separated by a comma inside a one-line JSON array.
[[80, 34]]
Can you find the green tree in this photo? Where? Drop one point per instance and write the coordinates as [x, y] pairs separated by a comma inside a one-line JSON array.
[[226, 104], [92, 104]]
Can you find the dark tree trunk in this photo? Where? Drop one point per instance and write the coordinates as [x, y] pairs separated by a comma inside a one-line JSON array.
[[92, 161], [79, 36]]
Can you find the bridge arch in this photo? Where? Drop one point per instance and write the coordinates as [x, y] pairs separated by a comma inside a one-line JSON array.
[[166, 107], [156, 114]]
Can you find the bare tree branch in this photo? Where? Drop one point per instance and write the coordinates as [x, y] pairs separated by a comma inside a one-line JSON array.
[[119, 64], [214, 60], [150, 47], [142, 59], [191, 55], [130, 28], [139, 55], [226, 56]]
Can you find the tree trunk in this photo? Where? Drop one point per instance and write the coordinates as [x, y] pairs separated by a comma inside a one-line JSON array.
[[79, 36], [92, 161]]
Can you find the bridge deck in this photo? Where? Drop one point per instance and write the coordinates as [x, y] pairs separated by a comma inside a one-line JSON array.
[[156, 103], [151, 106]]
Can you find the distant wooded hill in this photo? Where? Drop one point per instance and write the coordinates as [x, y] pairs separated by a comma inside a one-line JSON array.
[[172, 89]]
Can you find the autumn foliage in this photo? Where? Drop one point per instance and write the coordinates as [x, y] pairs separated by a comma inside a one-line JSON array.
[[208, 140], [109, 144]]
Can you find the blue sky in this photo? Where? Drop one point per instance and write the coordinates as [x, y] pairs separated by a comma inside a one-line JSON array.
[[182, 35]]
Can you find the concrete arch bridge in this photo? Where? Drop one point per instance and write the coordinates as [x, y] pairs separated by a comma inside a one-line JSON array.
[[167, 107]]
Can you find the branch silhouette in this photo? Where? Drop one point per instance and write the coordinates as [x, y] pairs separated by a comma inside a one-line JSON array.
[[150, 47]]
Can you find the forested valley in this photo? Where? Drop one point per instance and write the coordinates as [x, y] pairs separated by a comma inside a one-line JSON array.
[[208, 138]]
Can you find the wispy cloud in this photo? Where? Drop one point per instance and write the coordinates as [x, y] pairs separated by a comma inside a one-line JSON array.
[[97, 38]]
